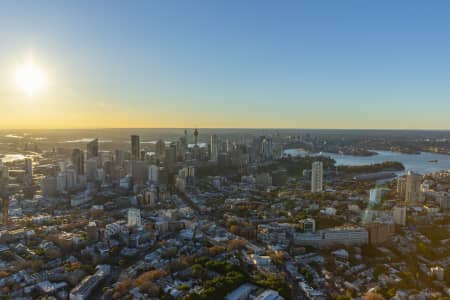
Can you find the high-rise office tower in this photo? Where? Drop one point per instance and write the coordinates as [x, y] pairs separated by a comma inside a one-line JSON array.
[[153, 172], [92, 149], [135, 148], [4, 179], [159, 148], [181, 148], [61, 182], [317, 177], [77, 160], [399, 215], [28, 166], [119, 157], [48, 186], [91, 169], [412, 190], [71, 178], [139, 171], [195, 136], [4, 206], [266, 148], [170, 157], [214, 147], [375, 196]]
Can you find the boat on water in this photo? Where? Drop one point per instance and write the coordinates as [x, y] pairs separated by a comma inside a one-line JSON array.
[[433, 161]]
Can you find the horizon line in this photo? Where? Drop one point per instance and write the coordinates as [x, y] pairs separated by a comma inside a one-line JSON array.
[[231, 128]]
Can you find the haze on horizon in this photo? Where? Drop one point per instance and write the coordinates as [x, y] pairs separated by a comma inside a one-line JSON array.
[[228, 64]]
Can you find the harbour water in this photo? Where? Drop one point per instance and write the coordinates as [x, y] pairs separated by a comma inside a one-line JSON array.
[[11, 157], [422, 163]]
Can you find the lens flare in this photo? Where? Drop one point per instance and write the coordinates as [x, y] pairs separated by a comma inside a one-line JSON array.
[[29, 78]]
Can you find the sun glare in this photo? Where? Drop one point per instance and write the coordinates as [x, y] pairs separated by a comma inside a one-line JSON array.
[[29, 78]]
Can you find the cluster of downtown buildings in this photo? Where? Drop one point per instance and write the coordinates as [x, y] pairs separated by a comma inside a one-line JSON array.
[[101, 222]]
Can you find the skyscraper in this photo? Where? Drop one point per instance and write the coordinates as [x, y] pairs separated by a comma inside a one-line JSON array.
[[77, 160], [181, 148], [195, 136], [119, 157], [266, 148], [159, 148], [134, 217], [214, 147], [170, 157], [4, 172], [4, 178], [412, 191], [317, 177], [401, 186], [135, 148], [399, 215], [153, 172], [28, 166], [48, 186], [375, 196], [4, 206], [91, 169], [138, 171], [92, 149]]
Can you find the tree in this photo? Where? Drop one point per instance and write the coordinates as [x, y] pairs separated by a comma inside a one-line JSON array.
[[198, 271], [53, 253], [36, 265], [170, 253], [276, 284], [183, 287], [150, 288], [186, 260], [391, 292], [214, 250], [234, 229], [379, 269], [122, 288], [373, 296], [277, 257], [149, 276], [236, 244], [3, 274]]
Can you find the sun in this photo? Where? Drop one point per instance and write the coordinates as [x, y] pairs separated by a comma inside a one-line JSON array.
[[30, 78]]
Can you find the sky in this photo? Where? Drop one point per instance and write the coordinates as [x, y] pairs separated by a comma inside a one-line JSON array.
[[227, 64]]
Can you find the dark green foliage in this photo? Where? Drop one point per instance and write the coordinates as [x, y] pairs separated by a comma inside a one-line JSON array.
[[218, 287], [274, 283], [295, 165], [385, 166]]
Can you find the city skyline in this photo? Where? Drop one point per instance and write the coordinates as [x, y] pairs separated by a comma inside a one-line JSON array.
[[236, 150], [348, 65]]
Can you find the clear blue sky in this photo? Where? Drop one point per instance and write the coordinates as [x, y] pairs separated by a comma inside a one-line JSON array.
[[297, 64]]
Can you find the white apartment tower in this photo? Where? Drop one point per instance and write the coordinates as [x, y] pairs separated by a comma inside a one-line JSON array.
[[412, 190], [399, 215], [375, 195], [317, 177], [134, 217]]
